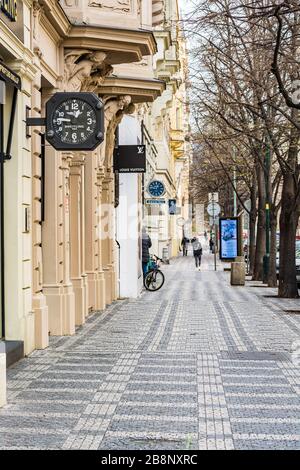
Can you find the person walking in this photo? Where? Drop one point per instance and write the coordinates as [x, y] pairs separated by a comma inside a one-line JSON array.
[[184, 243], [146, 244], [211, 245], [197, 250]]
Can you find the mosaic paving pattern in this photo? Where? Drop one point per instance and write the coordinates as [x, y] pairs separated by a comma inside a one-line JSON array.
[[197, 365]]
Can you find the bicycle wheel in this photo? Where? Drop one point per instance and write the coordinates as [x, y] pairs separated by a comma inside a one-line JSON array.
[[154, 280]]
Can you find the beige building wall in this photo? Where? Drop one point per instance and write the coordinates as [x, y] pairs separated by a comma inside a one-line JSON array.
[[61, 255], [168, 123], [15, 52]]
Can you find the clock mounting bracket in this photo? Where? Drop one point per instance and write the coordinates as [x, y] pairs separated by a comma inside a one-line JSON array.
[[95, 106]]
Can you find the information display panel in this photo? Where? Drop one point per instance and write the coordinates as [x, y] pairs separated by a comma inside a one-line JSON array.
[[229, 238]]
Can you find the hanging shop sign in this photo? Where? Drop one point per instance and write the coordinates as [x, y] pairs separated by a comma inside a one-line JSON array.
[[172, 207], [11, 13], [130, 159], [10, 77], [229, 238], [74, 121], [155, 201]]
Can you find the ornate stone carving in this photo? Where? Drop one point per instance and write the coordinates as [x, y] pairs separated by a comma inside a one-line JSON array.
[[113, 5], [84, 70], [70, 3], [114, 110], [112, 106], [157, 12], [37, 12]]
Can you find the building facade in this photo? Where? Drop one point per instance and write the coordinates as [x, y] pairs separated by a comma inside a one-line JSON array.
[[166, 127], [71, 230]]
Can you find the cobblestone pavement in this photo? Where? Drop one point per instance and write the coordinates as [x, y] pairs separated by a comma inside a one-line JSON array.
[[196, 365]]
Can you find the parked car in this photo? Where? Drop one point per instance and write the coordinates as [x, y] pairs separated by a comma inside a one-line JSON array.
[[297, 261]]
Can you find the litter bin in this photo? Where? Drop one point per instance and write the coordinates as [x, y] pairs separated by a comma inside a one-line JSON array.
[[238, 272], [165, 255]]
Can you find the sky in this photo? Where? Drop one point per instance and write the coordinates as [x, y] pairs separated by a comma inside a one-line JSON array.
[[184, 5]]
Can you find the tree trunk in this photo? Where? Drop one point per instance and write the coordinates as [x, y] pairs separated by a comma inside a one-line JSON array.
[[289, 217], [252, 227], [288, 228], [261, 225], [272, 276]]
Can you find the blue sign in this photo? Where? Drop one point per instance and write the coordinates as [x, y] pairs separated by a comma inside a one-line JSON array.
[[155, 201], [229, 238], [172, 207]]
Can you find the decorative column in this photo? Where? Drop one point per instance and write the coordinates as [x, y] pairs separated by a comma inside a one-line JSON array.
[[83, 232], [101, 284], [91, 235], [76, 221], [106, 241], [68, 297], [39, 304]]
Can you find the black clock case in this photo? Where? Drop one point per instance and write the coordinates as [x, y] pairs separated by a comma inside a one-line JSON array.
[[94, 101]]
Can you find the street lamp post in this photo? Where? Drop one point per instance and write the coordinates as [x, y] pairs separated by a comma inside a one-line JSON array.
[[266, 259]]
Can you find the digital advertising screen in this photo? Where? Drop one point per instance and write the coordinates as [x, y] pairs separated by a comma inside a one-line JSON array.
[[229, 233]]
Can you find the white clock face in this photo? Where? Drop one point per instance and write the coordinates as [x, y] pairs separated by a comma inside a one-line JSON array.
[[74, 121]]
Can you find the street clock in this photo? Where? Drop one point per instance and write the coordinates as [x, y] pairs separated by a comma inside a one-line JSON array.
[[156, 188], [74, 121]]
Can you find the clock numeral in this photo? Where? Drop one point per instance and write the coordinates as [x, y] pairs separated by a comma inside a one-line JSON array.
[[74, 136], [74, 106]]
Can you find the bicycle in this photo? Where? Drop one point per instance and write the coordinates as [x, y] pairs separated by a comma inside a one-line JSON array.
[[154, 279]]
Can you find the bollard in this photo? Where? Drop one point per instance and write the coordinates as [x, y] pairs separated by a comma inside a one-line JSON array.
[[238, 273], [2, 374]]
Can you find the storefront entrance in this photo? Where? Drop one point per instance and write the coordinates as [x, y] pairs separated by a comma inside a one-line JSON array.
[[10, 84]]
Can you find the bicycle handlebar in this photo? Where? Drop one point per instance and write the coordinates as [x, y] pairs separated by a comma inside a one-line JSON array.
[[158, 258]]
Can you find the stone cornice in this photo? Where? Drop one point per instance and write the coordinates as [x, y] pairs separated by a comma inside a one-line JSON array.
[[56, 15], [121, 45], [140, 90], [15, 47], [165, 35]]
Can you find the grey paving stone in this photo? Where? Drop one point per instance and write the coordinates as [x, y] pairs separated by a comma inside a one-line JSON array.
[[199, 365]]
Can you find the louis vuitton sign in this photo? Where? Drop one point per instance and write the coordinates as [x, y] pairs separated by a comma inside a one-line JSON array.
[[11, 13], [130, 159]]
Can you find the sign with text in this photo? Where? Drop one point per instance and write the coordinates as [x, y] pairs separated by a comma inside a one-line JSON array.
[[172, 207], [130, 159], [229, 238], [9, 76], [155, 201], [11, 13]]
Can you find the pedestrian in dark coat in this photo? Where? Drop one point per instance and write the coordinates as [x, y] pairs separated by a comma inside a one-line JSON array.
[[146, 244], [197, 250], [184, 243]]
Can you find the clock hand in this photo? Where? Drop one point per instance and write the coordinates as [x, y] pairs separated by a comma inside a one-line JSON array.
[[63, 119]]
